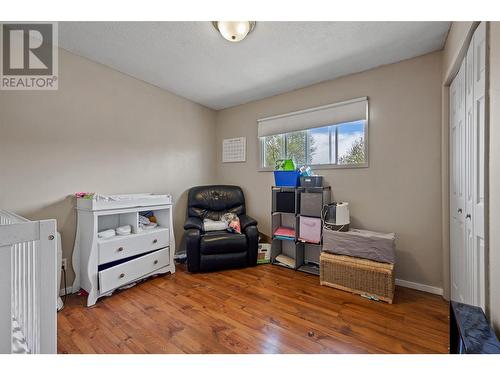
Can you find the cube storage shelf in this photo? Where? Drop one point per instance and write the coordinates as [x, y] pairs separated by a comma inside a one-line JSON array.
[[285, 200], [288, 248], [312, 201], [289, 205]]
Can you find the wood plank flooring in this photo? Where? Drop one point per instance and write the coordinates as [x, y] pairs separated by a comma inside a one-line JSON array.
[[265, 309]]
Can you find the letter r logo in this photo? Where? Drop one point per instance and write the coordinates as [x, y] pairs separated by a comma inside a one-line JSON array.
[[27, 49]]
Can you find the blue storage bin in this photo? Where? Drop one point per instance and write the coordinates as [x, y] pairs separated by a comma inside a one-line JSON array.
[[286, 178]]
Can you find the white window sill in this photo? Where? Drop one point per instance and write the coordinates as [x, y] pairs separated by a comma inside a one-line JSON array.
[[327, 166]]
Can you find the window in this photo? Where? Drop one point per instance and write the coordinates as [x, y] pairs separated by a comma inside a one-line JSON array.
[[273, 149], [334, 145], [296, 146], [351, 148], [333, 135]]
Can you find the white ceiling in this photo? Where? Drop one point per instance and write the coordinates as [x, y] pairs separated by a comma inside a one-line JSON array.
[[192, 60]]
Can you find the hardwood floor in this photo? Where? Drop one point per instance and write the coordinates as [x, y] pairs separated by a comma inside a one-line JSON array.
[[265, 309]]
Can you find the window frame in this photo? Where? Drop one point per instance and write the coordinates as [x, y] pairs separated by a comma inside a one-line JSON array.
[[335, 165]]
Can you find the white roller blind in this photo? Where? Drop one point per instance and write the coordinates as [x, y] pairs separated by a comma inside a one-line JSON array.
[[331, 114]]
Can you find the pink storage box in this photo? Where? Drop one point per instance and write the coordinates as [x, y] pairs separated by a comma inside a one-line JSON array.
[[310, 229]]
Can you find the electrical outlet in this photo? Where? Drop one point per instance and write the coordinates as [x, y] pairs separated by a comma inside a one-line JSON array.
[[64, 264]]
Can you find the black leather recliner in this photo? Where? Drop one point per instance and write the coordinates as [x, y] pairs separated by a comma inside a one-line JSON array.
[[208, 251]]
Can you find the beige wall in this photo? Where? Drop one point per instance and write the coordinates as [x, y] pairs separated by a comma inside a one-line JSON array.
[[102, 131], [494, 170], [400, 191]]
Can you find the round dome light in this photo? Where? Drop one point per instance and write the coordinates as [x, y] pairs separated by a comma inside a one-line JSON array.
[[234, 31]]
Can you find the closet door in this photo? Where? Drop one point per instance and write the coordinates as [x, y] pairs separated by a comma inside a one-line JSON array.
[[467, 175], [457, 186], [478, 170]]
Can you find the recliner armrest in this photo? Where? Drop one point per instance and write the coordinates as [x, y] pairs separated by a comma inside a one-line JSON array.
[[246, 221], [192, 237], [193, 222]]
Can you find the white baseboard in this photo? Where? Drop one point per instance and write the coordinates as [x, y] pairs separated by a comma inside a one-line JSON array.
[[69, 290], [418, 286]]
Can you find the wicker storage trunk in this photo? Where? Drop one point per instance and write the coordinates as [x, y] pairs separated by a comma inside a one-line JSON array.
[[365, 277]]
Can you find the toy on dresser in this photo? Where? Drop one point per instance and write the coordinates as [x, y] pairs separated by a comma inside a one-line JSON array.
[[121, 239]]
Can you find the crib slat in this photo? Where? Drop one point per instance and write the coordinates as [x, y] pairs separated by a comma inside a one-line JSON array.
[[32, 298], [24, 292], [19, 285], [29, 333], [6, 305], [18, 282], [14, 285], [36, 328]]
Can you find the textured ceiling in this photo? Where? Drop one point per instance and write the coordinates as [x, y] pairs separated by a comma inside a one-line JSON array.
[[192, 60]]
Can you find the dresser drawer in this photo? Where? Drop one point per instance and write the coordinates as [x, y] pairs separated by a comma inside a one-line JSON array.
[[127, 272], [121, 247]]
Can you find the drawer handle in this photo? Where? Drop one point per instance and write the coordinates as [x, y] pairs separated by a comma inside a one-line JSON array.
[[120, 249], [122, 275], [155, 262], [155, 240]]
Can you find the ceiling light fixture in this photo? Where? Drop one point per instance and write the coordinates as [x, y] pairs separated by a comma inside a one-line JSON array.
[[234, 31]]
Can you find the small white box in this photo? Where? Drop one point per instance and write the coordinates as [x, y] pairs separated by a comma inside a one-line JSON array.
[[264, 253]]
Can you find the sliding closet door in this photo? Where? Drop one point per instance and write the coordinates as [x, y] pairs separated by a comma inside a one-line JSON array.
[[457, 186]]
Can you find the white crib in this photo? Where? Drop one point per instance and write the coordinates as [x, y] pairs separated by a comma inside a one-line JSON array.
[[28, 257]]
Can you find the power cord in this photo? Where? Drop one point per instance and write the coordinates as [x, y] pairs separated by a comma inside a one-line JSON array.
[[65, 287]]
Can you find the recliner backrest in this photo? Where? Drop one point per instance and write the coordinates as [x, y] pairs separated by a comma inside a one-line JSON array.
[[213, 201]]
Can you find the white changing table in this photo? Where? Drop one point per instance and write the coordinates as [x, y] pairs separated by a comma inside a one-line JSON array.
[[103, 265]]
